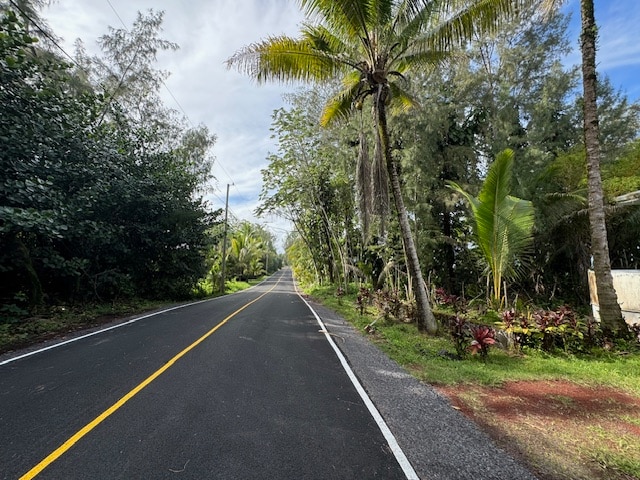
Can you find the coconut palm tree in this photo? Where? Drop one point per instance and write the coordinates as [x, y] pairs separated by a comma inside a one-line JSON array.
[[372, 45], [503, 224], [246, 251], [610, 313]]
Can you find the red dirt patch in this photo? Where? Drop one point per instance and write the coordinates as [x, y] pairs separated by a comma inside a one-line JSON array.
[[559, 428]]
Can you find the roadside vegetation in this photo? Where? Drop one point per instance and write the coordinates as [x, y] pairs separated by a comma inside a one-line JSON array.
[[59, 321], [103, 209], [569, 408]]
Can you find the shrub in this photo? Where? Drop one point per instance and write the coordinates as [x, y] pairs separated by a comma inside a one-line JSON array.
[[549, 329], [459, 331], [483, 337], [363, 299]]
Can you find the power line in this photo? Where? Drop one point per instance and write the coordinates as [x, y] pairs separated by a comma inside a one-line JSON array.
[[74, 62], [124, 25], [47, 35], [172, 95], [117, 15]]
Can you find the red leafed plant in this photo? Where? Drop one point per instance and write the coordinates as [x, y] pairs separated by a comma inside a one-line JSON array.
[[483, 338]]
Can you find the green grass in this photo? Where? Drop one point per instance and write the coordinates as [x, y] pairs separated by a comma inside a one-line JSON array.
[[58, 320], [233, 286], [625, 460], [422, 355]]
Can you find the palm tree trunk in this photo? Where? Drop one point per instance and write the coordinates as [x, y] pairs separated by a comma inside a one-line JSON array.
[[426, 320], [611, 317]]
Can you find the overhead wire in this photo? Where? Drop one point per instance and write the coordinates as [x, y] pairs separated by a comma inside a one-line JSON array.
[[46, 34], [173, 96]]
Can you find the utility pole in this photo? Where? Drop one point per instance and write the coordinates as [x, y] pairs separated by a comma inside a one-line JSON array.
[[224, 243]]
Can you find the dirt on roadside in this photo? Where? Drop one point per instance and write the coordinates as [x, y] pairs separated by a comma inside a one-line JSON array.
[[562, 430]]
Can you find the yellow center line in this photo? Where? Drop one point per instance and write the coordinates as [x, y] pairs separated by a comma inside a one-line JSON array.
[[58, 452]]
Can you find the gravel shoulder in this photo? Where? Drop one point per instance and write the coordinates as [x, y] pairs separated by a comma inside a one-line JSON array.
[[437, 439]]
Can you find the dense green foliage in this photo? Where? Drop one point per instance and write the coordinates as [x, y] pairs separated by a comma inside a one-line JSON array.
[[95, 204], [250, 254], [496, 96]]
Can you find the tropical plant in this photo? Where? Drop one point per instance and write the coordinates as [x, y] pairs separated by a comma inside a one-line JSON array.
[[372, 46], [459, 331], [246, 252], [482, 338], [503, 224]]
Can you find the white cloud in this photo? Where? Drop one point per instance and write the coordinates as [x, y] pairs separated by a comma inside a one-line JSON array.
[[618, 34], [618, 52]]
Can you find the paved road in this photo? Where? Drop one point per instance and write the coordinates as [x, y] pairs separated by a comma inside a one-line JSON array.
[[240, 387], [264, 396]]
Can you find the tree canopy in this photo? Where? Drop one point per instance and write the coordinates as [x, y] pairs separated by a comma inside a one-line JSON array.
[[94, 203]]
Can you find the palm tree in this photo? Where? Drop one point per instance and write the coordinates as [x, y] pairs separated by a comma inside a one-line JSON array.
[[613, 324], [372, 45], [246, 251], [504, 224]]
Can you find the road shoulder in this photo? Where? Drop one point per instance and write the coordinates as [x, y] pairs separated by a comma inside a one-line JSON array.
[[438, 440]]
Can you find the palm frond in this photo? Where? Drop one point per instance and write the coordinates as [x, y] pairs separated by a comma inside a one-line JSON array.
[[413, 17], [473, 201], [284, 59], [386, 271], [323, 40], [341, 105], [401, 100], [550, 6], [352, 17], [497, 185], [420, 55], [557, 208], [382, 11], [459, 20]]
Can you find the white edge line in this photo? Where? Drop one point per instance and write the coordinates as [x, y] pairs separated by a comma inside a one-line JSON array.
[[113, 327], [404, 463]]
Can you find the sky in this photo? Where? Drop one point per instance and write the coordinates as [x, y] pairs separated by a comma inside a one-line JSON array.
[[236, 109]]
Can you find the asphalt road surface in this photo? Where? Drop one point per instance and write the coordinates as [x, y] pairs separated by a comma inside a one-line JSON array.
[[247, 386]]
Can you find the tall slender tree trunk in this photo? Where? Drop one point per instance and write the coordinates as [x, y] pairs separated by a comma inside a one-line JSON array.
[[426, 320], [611, 317], [300, 230]]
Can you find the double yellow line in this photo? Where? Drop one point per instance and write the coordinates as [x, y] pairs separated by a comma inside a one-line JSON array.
[[58, 452]]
